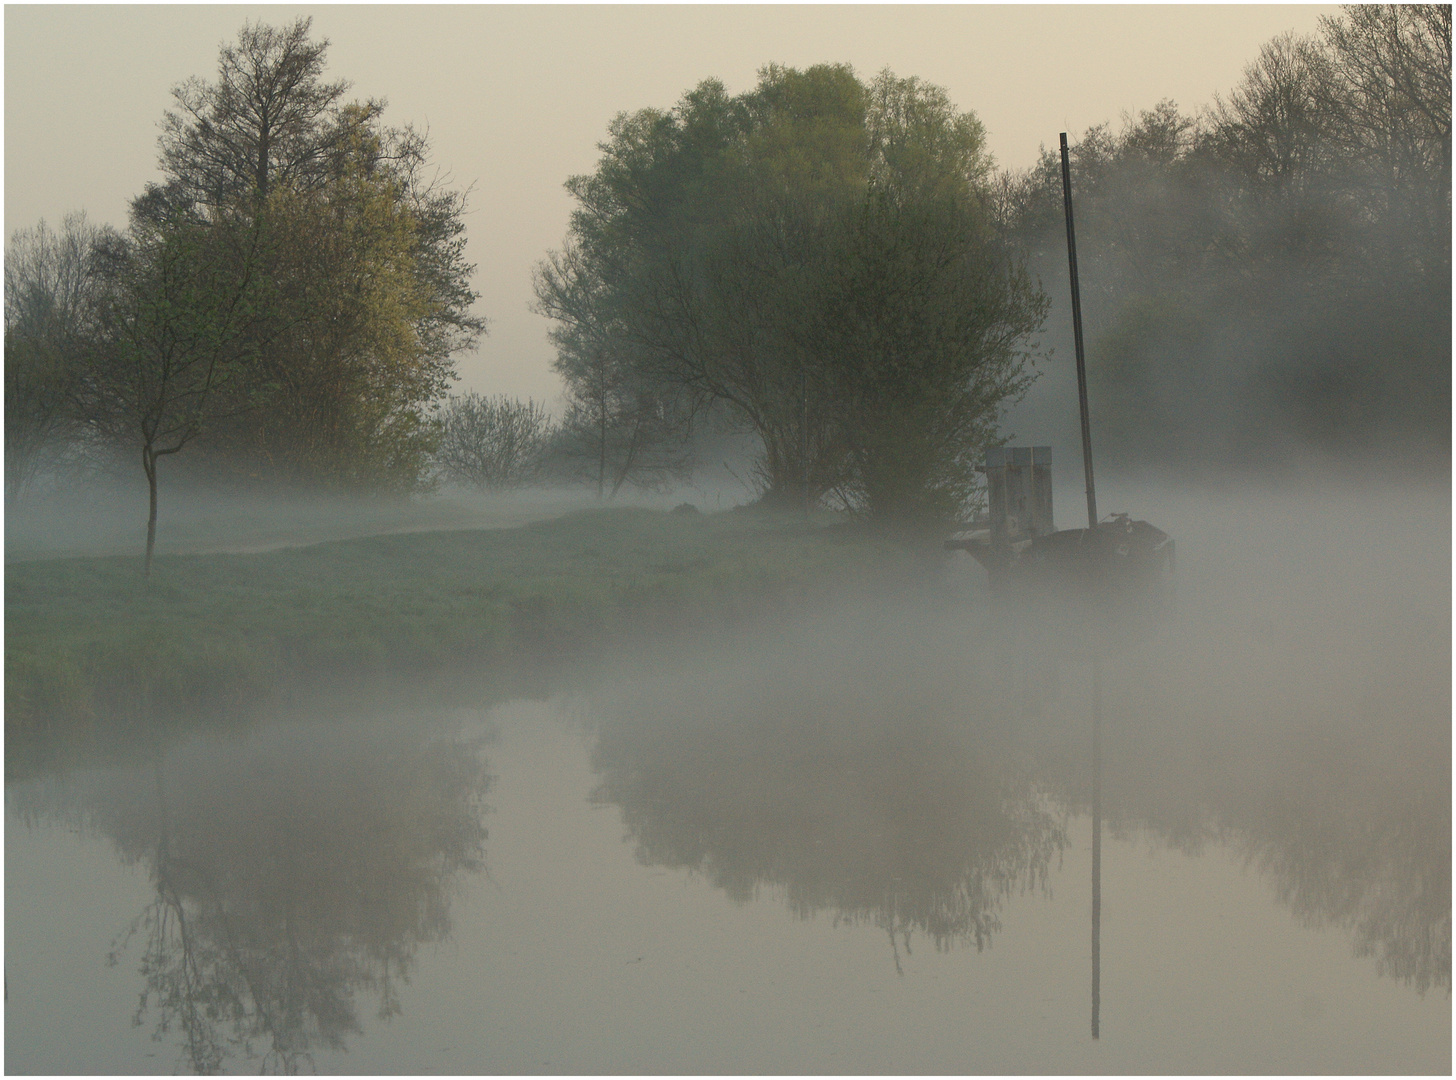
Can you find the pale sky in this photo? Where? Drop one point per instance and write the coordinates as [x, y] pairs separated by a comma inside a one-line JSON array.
[[516, 98]]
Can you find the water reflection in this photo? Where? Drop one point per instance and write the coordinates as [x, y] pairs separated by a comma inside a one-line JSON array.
[[295, 873], [1357, 841], [920, 798], [1346, 812], [888, 817]]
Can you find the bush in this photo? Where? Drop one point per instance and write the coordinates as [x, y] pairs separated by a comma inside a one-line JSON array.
[[492, 443]]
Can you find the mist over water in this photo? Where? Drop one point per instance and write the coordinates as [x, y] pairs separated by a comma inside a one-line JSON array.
[[712, 751], [855, 838]]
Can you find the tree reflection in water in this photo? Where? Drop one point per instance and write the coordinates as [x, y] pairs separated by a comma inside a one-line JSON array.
[[1343, 805], [892, 818], [918, 799], [1358, 840], [293, 874]]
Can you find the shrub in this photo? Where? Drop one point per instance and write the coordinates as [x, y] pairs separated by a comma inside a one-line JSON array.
[[492, 443]]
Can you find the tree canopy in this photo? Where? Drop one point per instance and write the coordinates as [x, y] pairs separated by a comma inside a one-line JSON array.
[[286, 302], [371, 292], [816, 255], [1273, 271]]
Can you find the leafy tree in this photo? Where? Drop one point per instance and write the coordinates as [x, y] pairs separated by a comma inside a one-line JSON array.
[[350, 370], [491, 443], [710, 248], [919, 332], [676, 276], [51, 296], [919, 337], [372, 294]]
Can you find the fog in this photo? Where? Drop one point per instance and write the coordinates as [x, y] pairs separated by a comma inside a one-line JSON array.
[[1241, 323], [659, 724], [757, 848]]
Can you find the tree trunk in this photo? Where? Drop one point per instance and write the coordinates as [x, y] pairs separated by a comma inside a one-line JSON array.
[[149, 463], [602, 452], [628, 460]]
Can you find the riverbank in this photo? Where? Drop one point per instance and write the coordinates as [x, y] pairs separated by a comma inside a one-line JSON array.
[[89, 643]]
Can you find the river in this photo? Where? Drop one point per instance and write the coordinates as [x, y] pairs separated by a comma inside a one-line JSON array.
[[859, 843]]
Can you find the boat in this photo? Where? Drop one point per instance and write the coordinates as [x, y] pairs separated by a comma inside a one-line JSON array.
[[1016, 541]]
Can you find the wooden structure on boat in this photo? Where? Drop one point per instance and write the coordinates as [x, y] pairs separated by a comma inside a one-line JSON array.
[[1017, 540]]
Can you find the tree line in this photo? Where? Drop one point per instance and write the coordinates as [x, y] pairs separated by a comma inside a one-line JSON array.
[[830, 264], [835, 266], [1273, 272]]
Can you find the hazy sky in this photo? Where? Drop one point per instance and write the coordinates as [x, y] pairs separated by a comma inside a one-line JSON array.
[[516, 98]]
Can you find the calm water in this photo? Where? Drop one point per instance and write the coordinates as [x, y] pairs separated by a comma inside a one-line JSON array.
[[861, 844]]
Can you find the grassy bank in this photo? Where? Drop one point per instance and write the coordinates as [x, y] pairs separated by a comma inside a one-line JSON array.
[[87, 641]]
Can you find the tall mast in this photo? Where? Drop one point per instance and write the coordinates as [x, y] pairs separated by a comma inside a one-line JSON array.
[[1077, 338]]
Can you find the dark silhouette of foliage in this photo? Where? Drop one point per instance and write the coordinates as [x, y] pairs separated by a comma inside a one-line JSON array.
[[1276, 270]]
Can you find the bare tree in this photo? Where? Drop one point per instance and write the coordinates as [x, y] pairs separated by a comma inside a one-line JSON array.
[[51, 293], [491, 443]]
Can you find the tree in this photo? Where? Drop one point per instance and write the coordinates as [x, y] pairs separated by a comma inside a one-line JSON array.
[[1388, 93], [1391, 85], [920, 338], [709, 248], [51, 295], [177, 327], [269, 119], [360, 346], [621, 424], [920, 323], [1271, 129], [676, 275], [491, 443], [371, 287]]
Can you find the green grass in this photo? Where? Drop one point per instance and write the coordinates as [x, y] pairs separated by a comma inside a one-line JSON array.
[[88, 642]]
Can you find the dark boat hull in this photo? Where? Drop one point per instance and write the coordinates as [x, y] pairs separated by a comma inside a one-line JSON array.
[[1083, 590]]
